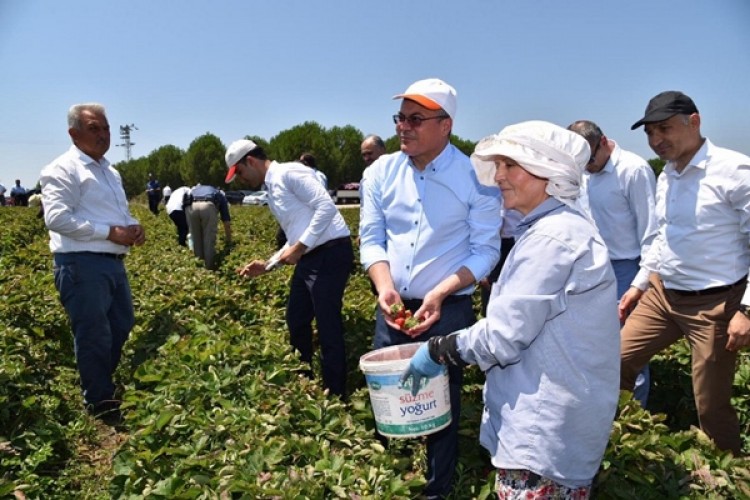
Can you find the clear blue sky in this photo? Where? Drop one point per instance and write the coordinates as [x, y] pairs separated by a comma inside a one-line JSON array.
[[179, 69]]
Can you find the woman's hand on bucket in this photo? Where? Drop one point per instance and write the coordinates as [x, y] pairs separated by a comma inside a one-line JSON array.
[[421, 367]]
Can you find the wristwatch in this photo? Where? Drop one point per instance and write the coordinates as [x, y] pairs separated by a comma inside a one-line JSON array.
[[745, 309]]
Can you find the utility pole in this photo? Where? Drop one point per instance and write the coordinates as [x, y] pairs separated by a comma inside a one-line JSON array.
[[125, 136]]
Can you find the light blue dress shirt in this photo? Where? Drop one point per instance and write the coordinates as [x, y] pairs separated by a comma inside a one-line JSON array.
[[550, 349], [428, 224], [620, 198]]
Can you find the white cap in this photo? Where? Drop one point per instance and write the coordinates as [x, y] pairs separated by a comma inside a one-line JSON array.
[[432, 93], [235, 152]]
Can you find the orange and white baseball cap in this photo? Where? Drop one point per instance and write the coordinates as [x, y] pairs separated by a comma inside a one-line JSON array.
[[432, 93], [235, 152]]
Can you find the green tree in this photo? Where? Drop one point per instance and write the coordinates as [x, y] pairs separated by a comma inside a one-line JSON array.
[[344, 149], [464, 145], [392, 144], [289, 144], [657, 164], [203, 162], [164, 163], [134, 174]]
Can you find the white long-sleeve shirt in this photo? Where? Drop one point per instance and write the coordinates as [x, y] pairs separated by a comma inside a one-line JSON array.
[[550, 349], [82, 198], [302, 206], [620, 199], [703, 214]]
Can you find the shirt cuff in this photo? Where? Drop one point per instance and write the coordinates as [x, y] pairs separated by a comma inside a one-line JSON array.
[[101, 232], [746, 297], [641, 279]]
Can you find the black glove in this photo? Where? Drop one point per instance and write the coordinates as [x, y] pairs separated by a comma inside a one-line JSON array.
[[444, 350]]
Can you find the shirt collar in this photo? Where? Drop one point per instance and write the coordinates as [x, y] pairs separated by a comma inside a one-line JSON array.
[[87, 160], [699, 160], [442, 160], [545, 208]]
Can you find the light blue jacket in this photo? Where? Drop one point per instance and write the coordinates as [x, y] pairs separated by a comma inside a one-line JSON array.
[[550, 348]]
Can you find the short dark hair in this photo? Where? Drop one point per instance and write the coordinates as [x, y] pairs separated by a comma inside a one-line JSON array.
[[588, 129], [256, 153], [308, 159]]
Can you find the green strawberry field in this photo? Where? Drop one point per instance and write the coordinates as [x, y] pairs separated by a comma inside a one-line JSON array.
[[216, 406]]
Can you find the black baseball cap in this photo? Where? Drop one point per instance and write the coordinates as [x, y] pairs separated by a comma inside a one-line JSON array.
[[666, 105]]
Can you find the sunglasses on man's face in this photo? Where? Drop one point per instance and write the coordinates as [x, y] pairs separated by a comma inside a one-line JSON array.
[[415, 120]]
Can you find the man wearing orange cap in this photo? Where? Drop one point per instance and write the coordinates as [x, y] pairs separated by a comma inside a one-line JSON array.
[[428, 232], [318, 245]]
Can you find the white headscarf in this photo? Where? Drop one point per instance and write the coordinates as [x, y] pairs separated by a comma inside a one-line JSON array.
[[542, 149]]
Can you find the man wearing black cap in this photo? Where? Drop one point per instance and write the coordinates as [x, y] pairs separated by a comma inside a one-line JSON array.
[[692, 282]]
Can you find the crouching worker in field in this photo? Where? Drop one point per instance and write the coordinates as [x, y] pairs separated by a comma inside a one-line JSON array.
[[318, 245], [550, 344], [91, 231]]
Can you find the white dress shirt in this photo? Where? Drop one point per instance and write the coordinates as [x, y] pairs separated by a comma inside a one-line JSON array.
[[428, 224], [550, 349], [620, 198], [302, 206], [82, 198], [703, 215], [176, 199]]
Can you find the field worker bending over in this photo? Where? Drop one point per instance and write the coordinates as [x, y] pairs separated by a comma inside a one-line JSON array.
[[319, 246], [550, 343]]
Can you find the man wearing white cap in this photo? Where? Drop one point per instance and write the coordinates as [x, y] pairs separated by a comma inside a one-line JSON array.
[[550, 344], [428, 232], [318, 245]]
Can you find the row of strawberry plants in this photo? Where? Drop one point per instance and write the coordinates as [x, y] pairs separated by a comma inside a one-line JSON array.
[[216, 403]]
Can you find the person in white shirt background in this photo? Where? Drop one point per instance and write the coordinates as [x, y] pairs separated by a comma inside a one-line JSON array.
[[693, 281], [618, 189], [175, 208]]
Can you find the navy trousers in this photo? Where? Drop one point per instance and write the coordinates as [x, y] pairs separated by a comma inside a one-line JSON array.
[[442, 447], [95, 292], [317, 291]]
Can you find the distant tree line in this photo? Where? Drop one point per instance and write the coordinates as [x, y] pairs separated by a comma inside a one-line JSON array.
[[336, 150]]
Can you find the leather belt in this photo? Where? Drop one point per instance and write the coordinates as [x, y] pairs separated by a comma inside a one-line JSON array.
[[118, 256], [708, 291]]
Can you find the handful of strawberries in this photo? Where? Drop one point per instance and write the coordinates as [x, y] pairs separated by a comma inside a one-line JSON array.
[[403, 317]]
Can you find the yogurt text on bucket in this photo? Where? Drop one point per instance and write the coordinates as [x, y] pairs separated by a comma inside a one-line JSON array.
[[415, 405]]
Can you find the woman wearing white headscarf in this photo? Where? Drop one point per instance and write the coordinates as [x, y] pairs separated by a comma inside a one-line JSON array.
[[549, 346]]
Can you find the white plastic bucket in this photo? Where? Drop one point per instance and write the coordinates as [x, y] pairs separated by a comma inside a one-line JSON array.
[[397, 413]]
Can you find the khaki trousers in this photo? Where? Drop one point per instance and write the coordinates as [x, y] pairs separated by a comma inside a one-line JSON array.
[[659, 320], [203, 219]]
